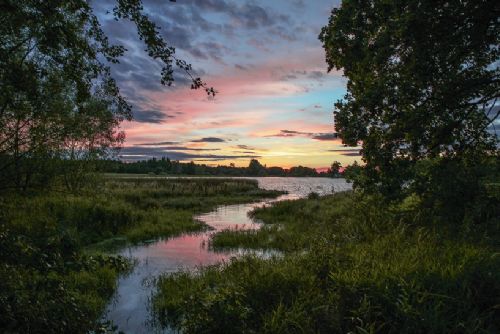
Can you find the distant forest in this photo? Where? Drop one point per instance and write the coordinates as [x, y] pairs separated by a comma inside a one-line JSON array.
[[165, 166]]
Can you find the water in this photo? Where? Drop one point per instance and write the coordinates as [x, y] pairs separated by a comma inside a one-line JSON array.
[[129, 309]]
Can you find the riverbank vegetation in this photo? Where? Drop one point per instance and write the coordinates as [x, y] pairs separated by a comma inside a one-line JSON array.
[[53, 274], [349, 263], [165, 166], [415, 247]]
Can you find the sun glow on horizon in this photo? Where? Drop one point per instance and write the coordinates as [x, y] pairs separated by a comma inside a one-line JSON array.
[[274, 100]]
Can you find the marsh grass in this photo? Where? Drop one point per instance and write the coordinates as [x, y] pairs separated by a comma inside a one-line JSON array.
[[350, 264], [54, 276]]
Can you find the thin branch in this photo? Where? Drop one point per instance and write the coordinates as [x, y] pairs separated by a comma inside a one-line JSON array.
[[492, 106]]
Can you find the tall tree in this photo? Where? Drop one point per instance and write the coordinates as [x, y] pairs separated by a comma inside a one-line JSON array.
[[423, 83], [58, 99], [255, 168], [335, 169]]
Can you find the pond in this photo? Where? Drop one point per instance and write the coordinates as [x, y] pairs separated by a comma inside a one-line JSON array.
[[129, 308]]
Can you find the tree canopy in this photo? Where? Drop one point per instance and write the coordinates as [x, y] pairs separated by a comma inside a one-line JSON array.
[[58, 99], [423, 83]]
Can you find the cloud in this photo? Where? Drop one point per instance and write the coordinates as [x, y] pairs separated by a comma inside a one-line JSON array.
[[140, 70], [494, 127], [299, 4], [345, 150], [317, 136], [248, 149], [245, 147], [213, 35], [355, 152], [241, 67], [159, 143], [159, 147], [150, 116], [216, 51], [325, 136], [209, 140], [261, 44], [316, 75], [351, 154], [306, 74], [144, 110], [283, 33], [228, 157], [184, 148], [135, 153], [246, 14]]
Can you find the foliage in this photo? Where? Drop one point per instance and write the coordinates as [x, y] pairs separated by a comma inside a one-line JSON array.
[[165, 166], [350, 263], [53, 276], [335, 169], [47, 286], [423, 82], [255, 168], [57, 97]]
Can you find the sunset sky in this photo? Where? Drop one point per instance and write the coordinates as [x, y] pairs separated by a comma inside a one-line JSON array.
[[275, 99]]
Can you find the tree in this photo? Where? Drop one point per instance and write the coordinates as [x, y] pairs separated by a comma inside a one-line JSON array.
[[335, 169], [255, 168], [423, 82], [301, 171], [58, 100]]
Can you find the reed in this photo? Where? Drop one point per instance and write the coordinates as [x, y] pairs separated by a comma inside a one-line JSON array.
[[56, 271], [348, 264]]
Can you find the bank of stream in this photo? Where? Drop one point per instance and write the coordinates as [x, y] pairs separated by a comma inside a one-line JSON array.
[[129, 309]]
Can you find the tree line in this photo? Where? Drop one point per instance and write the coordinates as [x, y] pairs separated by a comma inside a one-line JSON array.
[[165, 166]]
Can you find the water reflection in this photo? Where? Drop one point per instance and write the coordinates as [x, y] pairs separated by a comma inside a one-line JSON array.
[[129, 308]]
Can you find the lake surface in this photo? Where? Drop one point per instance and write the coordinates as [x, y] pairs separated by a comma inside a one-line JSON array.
[[129, 308]]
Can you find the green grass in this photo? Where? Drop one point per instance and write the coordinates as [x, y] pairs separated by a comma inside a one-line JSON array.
[[349, 264], [53, 274]]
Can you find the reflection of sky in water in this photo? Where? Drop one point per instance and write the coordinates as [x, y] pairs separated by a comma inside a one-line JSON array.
[[129, 308]]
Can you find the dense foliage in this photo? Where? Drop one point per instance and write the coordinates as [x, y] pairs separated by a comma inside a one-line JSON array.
[[347, 264], [58, 99], [423, 83], [53, 276], [165, 166]]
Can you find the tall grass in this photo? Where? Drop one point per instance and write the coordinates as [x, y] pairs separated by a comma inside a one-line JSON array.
[[53, 276], [350, 264]]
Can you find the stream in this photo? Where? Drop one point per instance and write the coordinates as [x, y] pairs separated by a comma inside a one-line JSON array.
[[129, 308]]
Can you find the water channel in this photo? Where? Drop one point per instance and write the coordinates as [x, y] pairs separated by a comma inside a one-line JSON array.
[[129, 308]]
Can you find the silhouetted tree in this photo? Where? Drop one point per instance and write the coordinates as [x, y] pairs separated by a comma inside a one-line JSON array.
[[335, 169], [423, 82], [58, 100], [301, 171], [255, 168]]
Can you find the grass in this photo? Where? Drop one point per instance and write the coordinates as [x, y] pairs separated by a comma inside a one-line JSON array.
[[54, 276], [349, 264], [296, 225]]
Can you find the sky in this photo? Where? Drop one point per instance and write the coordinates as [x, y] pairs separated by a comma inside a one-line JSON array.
[[275, 98]]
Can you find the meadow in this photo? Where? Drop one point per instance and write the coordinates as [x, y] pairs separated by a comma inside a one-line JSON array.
[[57, 271], [348, 264]]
